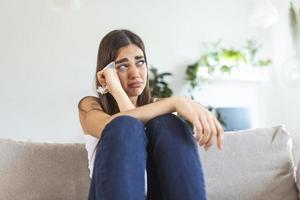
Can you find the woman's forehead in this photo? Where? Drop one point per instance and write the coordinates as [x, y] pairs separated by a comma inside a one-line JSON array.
[[129, 52]]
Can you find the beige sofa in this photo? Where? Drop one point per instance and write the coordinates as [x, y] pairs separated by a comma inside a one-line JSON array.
[[254, 164]]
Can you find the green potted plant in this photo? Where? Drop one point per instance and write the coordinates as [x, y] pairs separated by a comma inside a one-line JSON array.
[[218, 59], [158, 86]]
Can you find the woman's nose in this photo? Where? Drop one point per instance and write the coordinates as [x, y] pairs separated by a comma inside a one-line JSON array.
[[134, 72]]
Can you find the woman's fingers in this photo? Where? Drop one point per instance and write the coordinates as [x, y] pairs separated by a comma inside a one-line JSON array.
[[211, 141], [101, 78], [206, 129], [198, 129], [220, 135], [213, 131]]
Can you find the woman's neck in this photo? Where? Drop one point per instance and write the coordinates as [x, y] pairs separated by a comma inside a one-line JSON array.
[[134, 100]]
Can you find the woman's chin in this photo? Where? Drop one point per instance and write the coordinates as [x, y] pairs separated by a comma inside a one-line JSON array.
[[133, 92]]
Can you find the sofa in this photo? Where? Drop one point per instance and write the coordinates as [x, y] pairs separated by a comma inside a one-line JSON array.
[[255, 164]]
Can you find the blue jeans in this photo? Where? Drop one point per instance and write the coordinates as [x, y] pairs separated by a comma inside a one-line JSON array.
[[164, 145]]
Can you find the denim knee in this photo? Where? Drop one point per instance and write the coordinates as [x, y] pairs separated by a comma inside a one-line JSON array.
[[124, 124], [172, 122], [166, 118]]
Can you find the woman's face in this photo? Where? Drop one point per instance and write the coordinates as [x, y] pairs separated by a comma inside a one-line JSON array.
[[131, 69]]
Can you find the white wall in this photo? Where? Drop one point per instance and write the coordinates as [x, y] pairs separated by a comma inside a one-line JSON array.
[[47, 57]]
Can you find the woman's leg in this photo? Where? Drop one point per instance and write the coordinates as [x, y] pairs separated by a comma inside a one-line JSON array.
[[119, 168], [176, 167]]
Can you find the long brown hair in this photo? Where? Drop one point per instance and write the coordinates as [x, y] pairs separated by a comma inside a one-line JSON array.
[[107, 53]]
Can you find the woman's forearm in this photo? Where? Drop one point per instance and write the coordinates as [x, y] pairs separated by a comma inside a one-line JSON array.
[[123, 101], [149, 111]]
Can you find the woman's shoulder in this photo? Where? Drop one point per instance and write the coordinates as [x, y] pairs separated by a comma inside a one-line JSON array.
[[89, 102], [88, 98]]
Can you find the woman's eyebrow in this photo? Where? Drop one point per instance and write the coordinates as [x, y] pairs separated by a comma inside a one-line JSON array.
[[126, 59], [121, 60], [138, 57]]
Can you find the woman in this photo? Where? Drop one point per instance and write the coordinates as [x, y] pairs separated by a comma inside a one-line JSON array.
[[134, 132]]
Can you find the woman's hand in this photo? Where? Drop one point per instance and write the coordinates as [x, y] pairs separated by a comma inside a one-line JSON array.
[[207, 128], [108, 77]]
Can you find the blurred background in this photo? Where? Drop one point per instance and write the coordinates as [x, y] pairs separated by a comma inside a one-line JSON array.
[[239, 58]]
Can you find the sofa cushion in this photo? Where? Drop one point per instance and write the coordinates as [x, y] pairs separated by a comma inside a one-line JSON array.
[[45, 171], [254, 164]]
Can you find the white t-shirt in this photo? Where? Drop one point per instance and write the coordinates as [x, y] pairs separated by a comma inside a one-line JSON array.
[[90, 144]]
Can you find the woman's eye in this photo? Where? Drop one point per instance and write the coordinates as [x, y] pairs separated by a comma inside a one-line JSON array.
[[141, 62], [122, 67]]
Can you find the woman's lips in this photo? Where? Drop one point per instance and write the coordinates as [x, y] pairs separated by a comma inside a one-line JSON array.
[[136, 84]]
